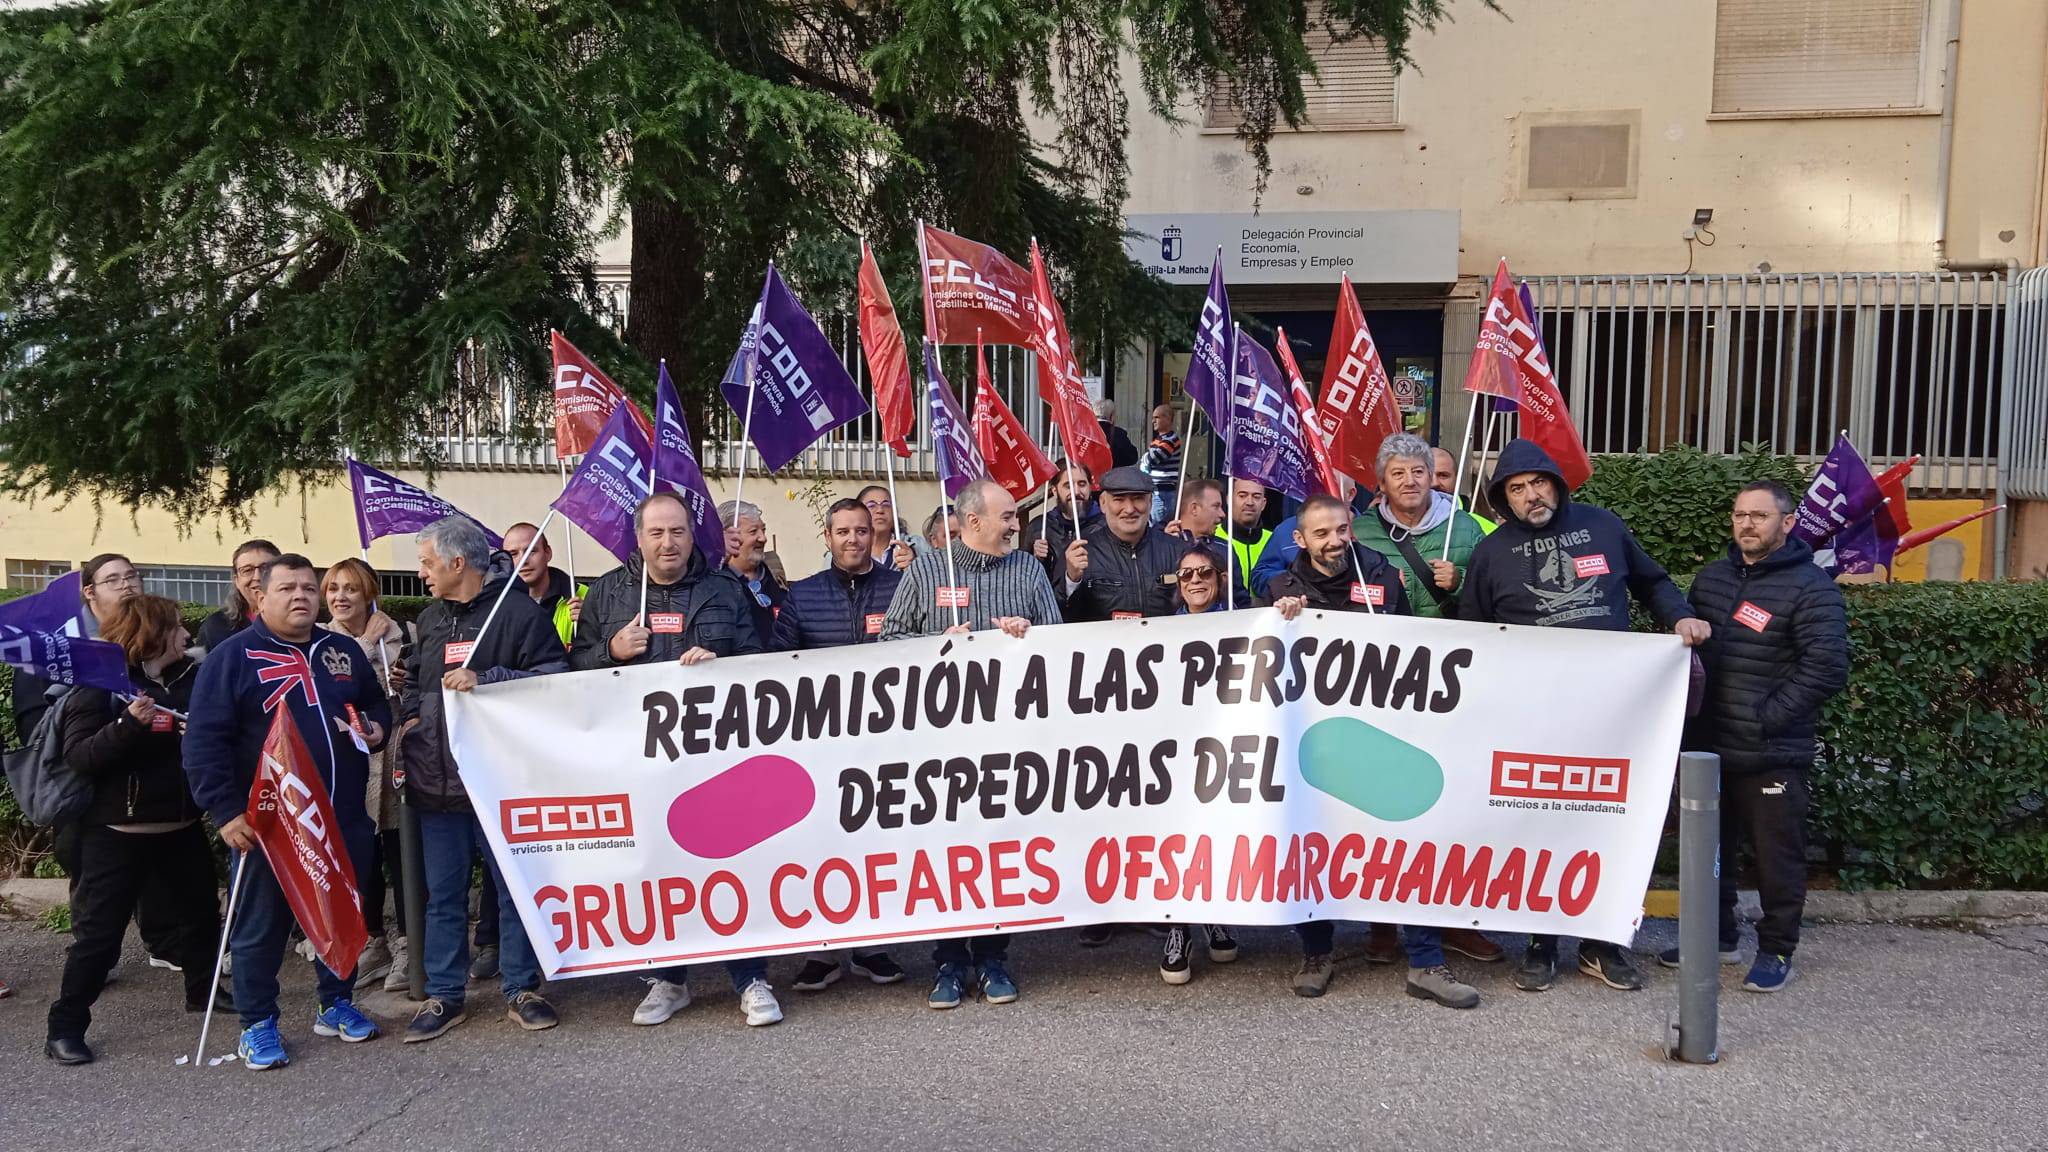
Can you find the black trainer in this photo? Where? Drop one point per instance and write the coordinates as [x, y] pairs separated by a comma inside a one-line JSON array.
[[817, 974], [1609, 964], [433, 1018], [1538, 970], [877, 967], [1222, 945], [1173, 963], [1096, 935], [531, 1012]]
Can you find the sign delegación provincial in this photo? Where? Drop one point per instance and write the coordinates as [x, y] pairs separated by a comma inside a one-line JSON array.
[[1405, 247], [1233, 769]]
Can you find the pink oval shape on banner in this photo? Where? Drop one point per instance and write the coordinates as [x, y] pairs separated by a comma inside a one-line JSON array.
[[741, 807]]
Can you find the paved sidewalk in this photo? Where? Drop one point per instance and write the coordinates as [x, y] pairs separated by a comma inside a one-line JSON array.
[[1891, 1037]]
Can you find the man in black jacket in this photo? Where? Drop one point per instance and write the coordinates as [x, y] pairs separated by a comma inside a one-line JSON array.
[[845, 604], [1780, 649], [1555, 563], [1121, 568], [746, 544], [455, 653], [1334, 573], [1049, 535], [694, 613]]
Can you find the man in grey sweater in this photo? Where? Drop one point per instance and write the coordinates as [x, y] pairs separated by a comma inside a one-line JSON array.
[[989, 584]]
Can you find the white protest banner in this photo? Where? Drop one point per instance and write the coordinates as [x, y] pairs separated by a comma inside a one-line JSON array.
[[1228, 768]]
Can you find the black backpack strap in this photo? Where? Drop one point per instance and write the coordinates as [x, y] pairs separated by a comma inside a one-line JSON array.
[[1445, 601]]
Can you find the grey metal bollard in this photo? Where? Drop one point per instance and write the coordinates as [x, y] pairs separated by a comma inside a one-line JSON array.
[[1694, 1036], [412, 874]]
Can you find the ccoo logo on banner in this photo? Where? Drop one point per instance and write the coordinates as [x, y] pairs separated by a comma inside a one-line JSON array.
[[1232, 769]]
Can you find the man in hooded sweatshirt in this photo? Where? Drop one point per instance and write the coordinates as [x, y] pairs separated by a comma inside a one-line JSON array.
[[1554, 563], [1780, 649]]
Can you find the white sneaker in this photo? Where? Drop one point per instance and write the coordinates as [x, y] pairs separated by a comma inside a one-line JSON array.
[[663, 1000], [156, 961], [307, 950], [373, 963], [758, 1002]]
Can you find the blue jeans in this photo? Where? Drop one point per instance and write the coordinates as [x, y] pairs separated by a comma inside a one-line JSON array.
[[1162, 507], [1425, 946], [263, 919], [449, 841], [743, 973]]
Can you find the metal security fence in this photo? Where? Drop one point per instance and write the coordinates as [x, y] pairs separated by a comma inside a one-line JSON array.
[[2025, 415], [1904, 362], [191, 585]]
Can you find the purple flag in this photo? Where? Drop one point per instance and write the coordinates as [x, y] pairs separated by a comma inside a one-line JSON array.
[[63, 659], [1209, 368], [1507, 403], [1862, 547], [675, 465], [1265, 429], [953, 448], [1843, 492], [610, 483], [58, 608], [799, 388], [388, 506]]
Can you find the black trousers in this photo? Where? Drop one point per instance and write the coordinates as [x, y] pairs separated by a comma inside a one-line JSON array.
[[116, 871], [383, 878], [1767, 812], [156, 922]]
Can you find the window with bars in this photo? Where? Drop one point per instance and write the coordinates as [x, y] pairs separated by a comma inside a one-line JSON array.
[[1354, 86], [1819, 55], [187, 584], [34, 575]]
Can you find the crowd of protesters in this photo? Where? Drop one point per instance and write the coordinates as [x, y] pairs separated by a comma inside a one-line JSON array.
[[1137, 541]]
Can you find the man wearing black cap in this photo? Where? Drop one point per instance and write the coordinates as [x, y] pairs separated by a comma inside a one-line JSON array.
[[1121, 567]]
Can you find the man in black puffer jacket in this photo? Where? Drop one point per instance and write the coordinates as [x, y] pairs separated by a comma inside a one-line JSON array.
[[845, 604], [455, 558], [1121, 568], [694, 613], [1780, 649], [1556, 563]]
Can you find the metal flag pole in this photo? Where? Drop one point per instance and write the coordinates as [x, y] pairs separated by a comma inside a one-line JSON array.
[[1045, 517], [220, 958], [1230, 481], [739, 488], [1358, 577], [569, 537], [502, 592], [1187, 438], [952, 580]]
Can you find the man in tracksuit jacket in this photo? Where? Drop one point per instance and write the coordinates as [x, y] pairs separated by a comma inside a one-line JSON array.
[[694, 613], [1048, 536], [1555, 563], [1334, 573], [1121, 568], [845, 604], [455, 558], [282, 660], [1780, 649]]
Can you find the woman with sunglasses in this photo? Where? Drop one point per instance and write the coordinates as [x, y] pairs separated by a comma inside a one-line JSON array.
[[1199, 579]]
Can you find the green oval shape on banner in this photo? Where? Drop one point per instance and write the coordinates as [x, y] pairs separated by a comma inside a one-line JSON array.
[[1378, 774]]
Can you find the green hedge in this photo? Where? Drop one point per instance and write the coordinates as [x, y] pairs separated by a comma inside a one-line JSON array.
[[1677, 502]]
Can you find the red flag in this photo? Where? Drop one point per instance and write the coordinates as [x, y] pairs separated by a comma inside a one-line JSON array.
[[1059, 377], [1357, 409], [881, 342], [584, 399], [1893, 485], [970, 287], [1311, 431], [1916, 539], [1007, 451], [1508, 361], [293, 820]]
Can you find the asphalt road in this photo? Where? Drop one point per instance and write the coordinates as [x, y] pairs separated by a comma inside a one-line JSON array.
[[1891, 1037]]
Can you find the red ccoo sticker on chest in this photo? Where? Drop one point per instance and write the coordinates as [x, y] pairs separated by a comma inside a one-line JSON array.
[[874, 623], [953, 597], [1373, 594], [1126, 615], [666, 623], [1584, 566], [456, 652], [161, 721], [1752, 617]]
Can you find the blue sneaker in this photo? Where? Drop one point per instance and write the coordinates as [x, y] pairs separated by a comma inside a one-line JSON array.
[[261, 1047], [1768, 974], [344, 1020], [996, 985], [948, 988]]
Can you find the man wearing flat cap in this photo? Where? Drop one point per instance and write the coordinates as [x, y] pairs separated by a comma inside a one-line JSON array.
[[1120, 568]]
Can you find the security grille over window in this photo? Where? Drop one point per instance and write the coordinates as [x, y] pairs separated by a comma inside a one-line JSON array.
[[34, 575], [1904, 362], [1819, 55], [1354, 85], [190, 585]]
